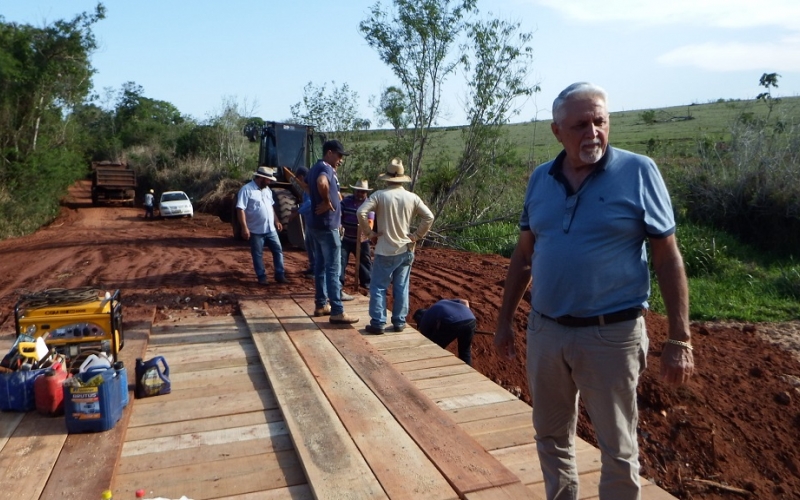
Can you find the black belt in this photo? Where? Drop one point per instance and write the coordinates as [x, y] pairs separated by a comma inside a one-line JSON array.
[[603, 319]]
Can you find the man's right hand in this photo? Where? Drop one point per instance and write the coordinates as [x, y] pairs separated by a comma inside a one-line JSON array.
[[504, 342], [245, 234], [322, 208]]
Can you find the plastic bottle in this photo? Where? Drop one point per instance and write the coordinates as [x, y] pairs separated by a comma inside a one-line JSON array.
[[140, 493], [95, 361], [152, 377], [107, 495]]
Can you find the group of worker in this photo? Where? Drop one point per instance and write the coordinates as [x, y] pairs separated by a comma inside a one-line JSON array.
[[586, 220]]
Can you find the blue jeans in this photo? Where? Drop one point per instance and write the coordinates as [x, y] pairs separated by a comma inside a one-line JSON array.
[[364, 267], [327, 263], [309, 244], [257, 243], [395, 269]]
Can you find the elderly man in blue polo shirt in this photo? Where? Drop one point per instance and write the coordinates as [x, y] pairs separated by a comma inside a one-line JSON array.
[[585, 221]]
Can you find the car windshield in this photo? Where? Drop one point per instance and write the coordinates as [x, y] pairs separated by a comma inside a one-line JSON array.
[[174, 197]]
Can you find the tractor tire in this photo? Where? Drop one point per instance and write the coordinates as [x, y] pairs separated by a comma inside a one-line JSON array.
[[286, 202]]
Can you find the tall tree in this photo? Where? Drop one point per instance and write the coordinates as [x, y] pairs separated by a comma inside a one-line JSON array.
[[332, 112], [44, 73], [416, 42], [496, 63], [394, 107]]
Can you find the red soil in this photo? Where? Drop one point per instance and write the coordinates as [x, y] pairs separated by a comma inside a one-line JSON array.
[[735, 424]]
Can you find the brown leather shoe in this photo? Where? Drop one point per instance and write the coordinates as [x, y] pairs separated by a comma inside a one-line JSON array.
[[323, 311], [343, 318]]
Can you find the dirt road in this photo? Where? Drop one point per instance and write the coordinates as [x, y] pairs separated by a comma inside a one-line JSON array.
[[736, 424]]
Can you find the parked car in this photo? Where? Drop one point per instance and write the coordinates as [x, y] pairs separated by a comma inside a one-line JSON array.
[[175, 204]]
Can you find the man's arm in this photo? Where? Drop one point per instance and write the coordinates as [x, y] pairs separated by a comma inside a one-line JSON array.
[[363, 216], [518, 278], [323, 187], [426, 221], [243, 223], [677, 362]]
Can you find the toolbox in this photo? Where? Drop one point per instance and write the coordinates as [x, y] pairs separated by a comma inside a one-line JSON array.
[[73, 321]]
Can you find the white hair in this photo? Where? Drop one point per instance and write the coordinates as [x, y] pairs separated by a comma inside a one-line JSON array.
[[575, 90]]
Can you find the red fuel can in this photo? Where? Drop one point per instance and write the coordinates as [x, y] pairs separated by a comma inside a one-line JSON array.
[[48, 392]]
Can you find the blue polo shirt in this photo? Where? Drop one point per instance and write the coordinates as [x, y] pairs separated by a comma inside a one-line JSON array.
[[329, 220], [589, 255], [444, 313]]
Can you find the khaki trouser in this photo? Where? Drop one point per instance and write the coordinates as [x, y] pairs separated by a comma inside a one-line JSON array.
[[602, 364]]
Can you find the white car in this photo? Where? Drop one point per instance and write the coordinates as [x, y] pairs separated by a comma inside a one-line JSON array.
[[175, 204]]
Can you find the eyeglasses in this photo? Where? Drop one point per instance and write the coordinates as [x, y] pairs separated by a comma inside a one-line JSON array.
[[569, 212]]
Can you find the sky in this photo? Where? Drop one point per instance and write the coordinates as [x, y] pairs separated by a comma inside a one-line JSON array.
[[261, 54]]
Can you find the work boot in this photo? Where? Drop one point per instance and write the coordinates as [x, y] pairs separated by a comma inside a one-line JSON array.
[[262, 281], [399, 328], [281, 279], [346, 297], [322, 311], [343, 318], [374, 330]]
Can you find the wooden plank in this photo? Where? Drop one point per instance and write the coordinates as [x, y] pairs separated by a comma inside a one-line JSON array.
[[485, 385], [490, 411], [507, 422], [232, 476], [524, 461], [470, 377], [515, 491], [460, 458], [188, 456], [424, 364], [416, 354], [299, 492], [215, 364], [89, 459], [204, 377], [205, 424], [202, 407], [401, 467], [205, 438], [505, 438], [416, 341], [211, 337], [229, 385], [438, 371], [9, 420], [329, 457], [178, 355], [29, 455], [197, 322], [477, 399]]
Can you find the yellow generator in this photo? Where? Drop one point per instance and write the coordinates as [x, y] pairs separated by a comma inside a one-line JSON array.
[[76, 322]]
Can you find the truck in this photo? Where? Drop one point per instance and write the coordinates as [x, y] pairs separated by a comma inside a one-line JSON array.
[[113, 181], [285, 147]]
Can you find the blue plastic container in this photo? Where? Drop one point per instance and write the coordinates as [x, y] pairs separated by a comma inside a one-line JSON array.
[[152, 377], [16, 390], [122, 376], [93, 408]]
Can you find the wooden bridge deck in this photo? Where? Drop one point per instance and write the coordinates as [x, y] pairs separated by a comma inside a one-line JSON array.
[[277, 404]]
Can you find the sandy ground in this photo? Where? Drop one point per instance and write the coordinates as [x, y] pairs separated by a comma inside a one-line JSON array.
[[735, 425]]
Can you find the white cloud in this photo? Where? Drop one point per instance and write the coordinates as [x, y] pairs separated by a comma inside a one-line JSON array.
[[781, 56], [719, 13]]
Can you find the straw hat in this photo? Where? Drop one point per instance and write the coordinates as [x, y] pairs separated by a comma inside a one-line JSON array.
[[265, 172], [361, 185], [395, 172]]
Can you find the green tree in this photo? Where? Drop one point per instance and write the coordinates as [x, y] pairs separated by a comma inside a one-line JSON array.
[[393, 107], [332, 112], [496, 63], [416, 41], [768, 81]]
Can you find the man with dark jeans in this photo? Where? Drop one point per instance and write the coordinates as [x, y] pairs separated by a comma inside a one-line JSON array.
[[350, 238], [446, 321], [325, 221], [260, 224]]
